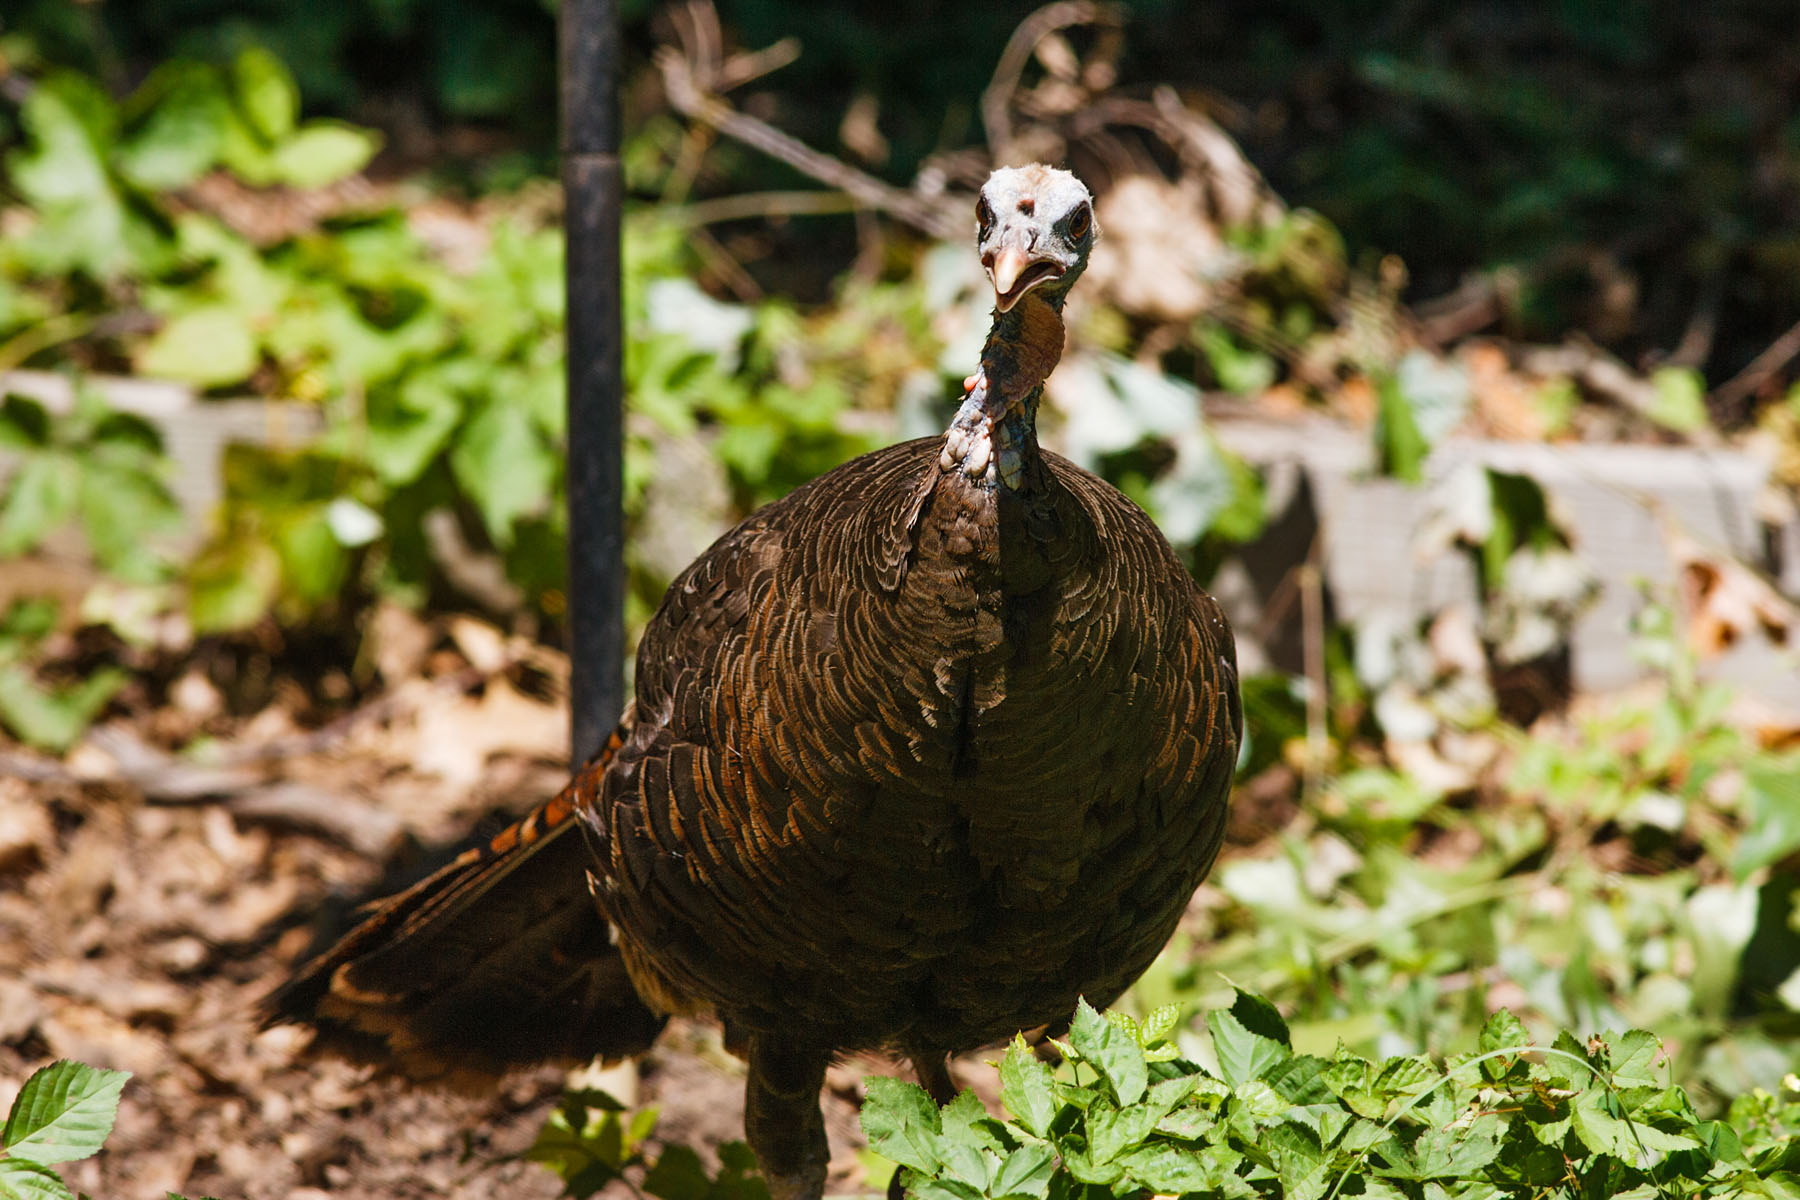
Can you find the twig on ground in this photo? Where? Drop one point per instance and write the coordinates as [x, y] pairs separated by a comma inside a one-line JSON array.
[[1779, 353]]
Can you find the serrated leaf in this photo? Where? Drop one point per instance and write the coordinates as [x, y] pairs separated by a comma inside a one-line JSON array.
[[63, 1113], [1600, 1128], [1243, 1056], [323, 152], [902, 1123], [1260, 1017], [1026, 1090], [1502, 1031], [1406, 1076], [1168, 1169], [1025, 1172], [1160, 1024], [1111, 1051], [1633, 1059], [21, 1180]]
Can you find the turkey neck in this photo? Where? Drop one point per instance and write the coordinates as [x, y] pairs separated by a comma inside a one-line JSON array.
[[993, 438]]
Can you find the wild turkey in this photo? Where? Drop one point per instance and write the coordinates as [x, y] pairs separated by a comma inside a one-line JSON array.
[[919, 754]]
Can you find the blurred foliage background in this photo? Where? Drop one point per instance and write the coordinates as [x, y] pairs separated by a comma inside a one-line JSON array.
[[345, 213]]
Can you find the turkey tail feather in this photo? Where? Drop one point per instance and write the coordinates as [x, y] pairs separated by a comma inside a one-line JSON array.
[[497, 960]]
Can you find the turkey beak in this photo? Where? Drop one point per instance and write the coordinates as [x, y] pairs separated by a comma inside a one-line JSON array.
[[1014, 273]]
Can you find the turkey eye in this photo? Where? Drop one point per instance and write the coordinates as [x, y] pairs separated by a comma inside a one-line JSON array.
[[1080, 221], [984, 215]]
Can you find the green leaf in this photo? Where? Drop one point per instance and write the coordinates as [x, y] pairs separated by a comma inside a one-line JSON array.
[[211, 345], [313, 562], [1025, 1089], [63, 1113], [40, 499], [24, 424], [1603, 1131], [323, 152], [678, 1175], [1452, 1153], [1260, 1017], [266, 92], [179, 139], [1025, 1172], [1503, 1031], [54, 718], [1169, 1170], [505, 466], [122, 505], [1398, 442], [233, 585], [21, 1180], [1679, 399], [1771, 801], [1111, 1051], [902, 1123], [1243, 1056], [1634, 1058]]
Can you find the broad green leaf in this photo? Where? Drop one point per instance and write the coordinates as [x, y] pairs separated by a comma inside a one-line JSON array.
[[1398, 442], [1160, 1024], [902, 1123], [1772, 814], [1603, 1131], [1111, 1051], [210, 346], [1025, 1172], [1406, 1076], [678, 1175], [1678, 399], [122, 506], [39, 499], [1243, 1056], [1171, 1170], [1260, 1017], [24, 424], [63, 1113], [233, 585], [1025, 1089], [1503, 1031], [312, 559], [505, 466], [1633, 1059], [323, 152], [1112, 1130], [266, 92], [1301, 1079], [54, 718], [1444, 1152], [178, 141], [22, 1180]]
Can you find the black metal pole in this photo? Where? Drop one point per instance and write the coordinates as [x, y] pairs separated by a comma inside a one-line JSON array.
[[589, 37]]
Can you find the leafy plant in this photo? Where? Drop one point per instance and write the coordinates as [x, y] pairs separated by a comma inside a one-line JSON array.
[[590, 1141], [63, 1114], [1131, 1114]]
